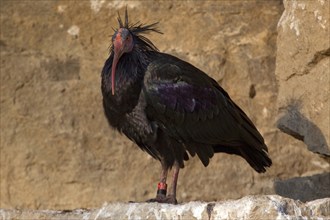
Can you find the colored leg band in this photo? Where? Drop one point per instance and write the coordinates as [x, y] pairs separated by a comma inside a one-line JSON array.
[[162, 188]]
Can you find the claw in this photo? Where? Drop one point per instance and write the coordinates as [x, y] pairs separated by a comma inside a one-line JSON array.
[[164, 199]]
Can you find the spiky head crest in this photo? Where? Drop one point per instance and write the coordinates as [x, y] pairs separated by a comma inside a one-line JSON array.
[[138, 29]]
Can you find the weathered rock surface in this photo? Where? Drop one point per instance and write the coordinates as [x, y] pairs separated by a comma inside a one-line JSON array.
[[303, 73], [313, 187], [251, 207], [57, 151]]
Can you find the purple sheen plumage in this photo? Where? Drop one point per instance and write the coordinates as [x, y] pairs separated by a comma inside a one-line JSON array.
[[186, 97]]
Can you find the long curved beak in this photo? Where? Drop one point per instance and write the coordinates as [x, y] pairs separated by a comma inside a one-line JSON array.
[[118, 52]]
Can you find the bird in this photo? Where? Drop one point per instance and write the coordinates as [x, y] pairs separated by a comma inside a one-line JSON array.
[[171, 109]]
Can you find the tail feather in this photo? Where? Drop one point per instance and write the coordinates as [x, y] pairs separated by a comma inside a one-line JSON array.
[[253, 149], [251, 145], [258, 159]]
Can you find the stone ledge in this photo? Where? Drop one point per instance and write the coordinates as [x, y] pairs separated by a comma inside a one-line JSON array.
[[249, 207]]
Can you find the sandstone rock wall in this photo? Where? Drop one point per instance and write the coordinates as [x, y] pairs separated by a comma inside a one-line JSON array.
[[57, 151], [303, 75], [302, 71]]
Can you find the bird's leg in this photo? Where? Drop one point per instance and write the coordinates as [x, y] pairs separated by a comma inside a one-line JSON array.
[[171, 198], [162, 186]]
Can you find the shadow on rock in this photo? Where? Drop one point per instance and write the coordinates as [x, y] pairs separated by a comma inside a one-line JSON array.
[[305, 188], [297, 125]]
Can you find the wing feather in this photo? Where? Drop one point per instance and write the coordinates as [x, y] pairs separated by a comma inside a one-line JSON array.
[[196, 111], [196, 107]]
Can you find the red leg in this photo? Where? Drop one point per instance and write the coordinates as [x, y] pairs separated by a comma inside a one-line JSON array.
[[172, 191], [162, 186]]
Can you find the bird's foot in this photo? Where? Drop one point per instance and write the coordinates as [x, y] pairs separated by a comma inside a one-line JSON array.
[[164, 199]]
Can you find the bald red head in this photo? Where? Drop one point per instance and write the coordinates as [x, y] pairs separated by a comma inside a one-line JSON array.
[[122, 42]]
